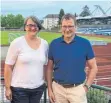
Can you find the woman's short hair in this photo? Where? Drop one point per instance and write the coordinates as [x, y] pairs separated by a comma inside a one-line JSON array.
[[69, 16], [35, 20]]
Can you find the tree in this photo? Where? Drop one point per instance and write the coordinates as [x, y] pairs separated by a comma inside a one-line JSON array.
[[75, 15], [19, 21], [85, 12], [12, 21], [3, 21], [61, 13]]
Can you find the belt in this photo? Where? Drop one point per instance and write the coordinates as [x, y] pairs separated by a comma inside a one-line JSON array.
[[68, 85]]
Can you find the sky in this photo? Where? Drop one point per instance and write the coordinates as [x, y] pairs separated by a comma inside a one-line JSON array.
[[41, 8]]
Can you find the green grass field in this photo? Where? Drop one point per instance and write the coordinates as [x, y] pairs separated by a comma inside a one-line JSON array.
[[48, 36]]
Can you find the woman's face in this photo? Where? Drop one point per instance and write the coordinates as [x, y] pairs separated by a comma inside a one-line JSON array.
[[31, 27]]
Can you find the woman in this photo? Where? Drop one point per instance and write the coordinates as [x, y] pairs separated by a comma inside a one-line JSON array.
[[24, 65]]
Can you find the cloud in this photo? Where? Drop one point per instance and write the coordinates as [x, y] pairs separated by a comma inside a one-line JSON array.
[[44, 7], [25, 5]]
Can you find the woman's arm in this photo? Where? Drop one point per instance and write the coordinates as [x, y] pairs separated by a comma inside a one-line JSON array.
[[10, 61], [8, 77]]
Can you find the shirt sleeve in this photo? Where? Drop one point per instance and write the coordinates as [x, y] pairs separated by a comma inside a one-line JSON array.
[[90, 52], [12, 54], [50, 56]]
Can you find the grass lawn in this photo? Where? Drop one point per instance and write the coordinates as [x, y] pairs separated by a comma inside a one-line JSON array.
[[48, 36], [4, 36]]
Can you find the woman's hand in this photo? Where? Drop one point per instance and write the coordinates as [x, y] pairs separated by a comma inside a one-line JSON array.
[[8, 94]]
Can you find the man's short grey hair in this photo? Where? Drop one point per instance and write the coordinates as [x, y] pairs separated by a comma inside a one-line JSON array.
[[69, 16], [35, 20]]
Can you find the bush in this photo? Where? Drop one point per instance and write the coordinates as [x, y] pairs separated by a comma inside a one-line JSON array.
[[97, 96]]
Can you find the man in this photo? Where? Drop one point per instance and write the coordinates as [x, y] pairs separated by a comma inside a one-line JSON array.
[[67, 58]]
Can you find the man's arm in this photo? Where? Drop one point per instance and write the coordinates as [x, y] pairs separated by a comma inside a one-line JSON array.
[[49, 80], [45, 70], [49, 74], [92, 71]]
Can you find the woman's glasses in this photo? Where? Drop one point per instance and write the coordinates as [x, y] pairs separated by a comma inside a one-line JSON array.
[[32, 25]]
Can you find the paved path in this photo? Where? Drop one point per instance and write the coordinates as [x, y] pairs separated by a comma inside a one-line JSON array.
[[4, 50]]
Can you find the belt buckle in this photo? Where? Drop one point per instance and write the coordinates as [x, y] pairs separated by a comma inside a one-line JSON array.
[[74, 85]]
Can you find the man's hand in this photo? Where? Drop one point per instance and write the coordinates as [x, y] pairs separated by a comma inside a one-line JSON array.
[[8, 94], [51, 96], [85, 88]]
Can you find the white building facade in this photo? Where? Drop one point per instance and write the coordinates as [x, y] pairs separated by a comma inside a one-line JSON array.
[[50, 21]]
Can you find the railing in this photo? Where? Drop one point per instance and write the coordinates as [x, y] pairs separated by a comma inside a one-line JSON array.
[[96, 94]]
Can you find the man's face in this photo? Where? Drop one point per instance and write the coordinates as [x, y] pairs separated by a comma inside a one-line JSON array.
[[68, 28]]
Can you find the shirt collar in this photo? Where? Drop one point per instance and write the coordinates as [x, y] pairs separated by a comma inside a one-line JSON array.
[[74, 39]]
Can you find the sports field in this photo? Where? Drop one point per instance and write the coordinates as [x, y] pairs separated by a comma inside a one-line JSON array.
[[48, 36]]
